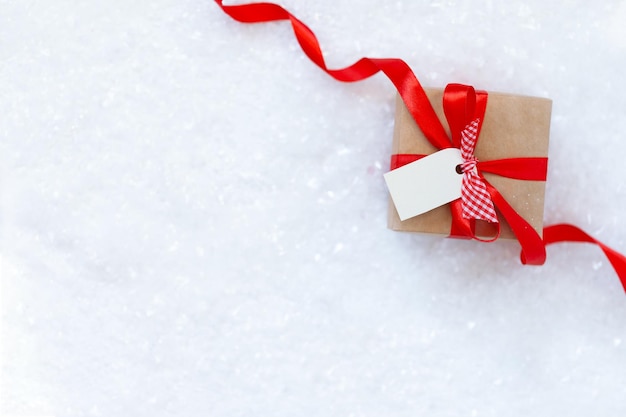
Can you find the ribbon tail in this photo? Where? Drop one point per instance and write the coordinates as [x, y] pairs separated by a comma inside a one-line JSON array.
[[398, 71], [533, 247], [569, 233]]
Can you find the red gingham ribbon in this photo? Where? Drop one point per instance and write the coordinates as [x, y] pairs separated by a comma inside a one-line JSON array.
[[476, 201]]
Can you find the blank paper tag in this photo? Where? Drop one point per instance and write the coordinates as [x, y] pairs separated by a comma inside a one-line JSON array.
[[425, 184]]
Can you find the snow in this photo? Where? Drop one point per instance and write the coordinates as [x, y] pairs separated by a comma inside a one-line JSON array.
[[193, 215]]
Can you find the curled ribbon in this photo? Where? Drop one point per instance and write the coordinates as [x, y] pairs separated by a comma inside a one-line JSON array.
[[418, 105]]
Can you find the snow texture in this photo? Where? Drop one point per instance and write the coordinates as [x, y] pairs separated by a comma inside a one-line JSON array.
[[193, 216]]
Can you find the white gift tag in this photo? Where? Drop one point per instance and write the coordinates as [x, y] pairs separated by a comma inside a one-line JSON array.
[[425, 184]]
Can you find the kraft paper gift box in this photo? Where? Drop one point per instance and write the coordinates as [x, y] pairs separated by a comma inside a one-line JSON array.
[[514, 126]]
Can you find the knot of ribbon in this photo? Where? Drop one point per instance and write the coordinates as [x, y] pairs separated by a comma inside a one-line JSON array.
[[475, 199]]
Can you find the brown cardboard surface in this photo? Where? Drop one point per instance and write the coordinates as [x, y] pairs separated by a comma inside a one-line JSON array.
[[514, 126]]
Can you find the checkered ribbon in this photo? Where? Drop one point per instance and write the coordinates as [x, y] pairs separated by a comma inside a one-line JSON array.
[[475, 198]]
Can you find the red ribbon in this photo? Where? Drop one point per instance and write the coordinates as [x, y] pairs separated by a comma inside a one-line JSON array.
[[418, 105]]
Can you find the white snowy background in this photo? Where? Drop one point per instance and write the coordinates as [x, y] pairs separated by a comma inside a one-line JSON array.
[[193, 215]]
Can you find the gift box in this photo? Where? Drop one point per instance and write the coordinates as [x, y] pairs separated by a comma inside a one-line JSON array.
[[513, 127]]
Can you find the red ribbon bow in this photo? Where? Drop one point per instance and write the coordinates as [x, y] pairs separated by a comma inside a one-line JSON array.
[[414, 96]]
